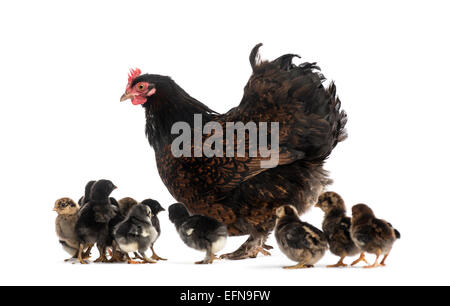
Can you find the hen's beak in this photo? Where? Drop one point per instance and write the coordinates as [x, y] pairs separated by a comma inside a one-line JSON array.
[[125, 97]]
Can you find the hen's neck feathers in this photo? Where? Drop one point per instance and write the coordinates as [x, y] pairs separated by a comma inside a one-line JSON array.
[[171, 104]]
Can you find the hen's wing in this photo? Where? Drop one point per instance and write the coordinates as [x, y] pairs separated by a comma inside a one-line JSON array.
[[311, 122]]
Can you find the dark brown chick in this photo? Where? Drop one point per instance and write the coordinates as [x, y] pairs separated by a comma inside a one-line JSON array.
[[299, 241], [371, 235], [336, 227]]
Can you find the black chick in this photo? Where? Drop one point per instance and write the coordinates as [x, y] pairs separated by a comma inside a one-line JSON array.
[[126, 204], [93, 224], [156, 208], [336, 227], [299, 241], [372, 235], [87, 193], [136, 233], [199, 232]]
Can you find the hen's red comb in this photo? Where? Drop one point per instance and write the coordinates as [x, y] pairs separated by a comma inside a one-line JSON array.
[[134, 73]]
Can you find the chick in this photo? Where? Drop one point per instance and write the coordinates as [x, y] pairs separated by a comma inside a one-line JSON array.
[[126, 204], [299, 241], [136, 233], [199, 232], [87, 193], [67, 217], [372, 235], [156, 208], [336, 227], [93, 224]]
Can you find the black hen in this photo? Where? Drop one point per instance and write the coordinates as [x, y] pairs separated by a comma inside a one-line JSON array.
[[238, 191]]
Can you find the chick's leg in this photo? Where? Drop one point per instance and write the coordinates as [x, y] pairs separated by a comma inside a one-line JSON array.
[[102, 251], [209, 258], [340, 263], [80, 255], [87, 253], [137, 256], [362, 257], [382, 263], [155, 256], [146, 259], [375, 264], [298, 266]]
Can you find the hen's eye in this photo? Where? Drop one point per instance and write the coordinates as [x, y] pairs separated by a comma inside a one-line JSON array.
[[141, 86]]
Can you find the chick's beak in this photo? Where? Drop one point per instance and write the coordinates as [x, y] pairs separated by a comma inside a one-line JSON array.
[[317, 205], [125, 97]]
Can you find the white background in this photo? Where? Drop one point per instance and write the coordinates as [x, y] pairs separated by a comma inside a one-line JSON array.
[[63, 68]]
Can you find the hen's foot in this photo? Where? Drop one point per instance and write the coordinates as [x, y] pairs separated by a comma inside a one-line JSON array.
[[243, 253], [267, 247], [206, 261]]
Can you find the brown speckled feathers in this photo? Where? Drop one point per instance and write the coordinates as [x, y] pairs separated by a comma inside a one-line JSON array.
[[236, 190]]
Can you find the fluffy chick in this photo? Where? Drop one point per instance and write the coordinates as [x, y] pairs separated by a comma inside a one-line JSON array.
[[136, 233], [126, 204], [93, 224], [156, 208], [199, 232], [67, 211], [336, 227], [87, 193], [299, 241], [371, 235]]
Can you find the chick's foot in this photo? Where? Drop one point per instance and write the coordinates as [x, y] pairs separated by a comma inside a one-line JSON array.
[[298, 266], [208, 260]]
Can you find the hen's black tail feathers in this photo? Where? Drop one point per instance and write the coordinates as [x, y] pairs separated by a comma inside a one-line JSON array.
[[305, 86]]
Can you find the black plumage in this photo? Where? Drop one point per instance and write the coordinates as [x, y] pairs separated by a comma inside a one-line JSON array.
[[199, 232], [237, 190], [92, 226], [87, 194], [336, 227], [136, 233], [299, 241], [156, 208], [372, 235]]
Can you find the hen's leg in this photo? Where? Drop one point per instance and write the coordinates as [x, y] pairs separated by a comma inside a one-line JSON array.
[[250, 249]]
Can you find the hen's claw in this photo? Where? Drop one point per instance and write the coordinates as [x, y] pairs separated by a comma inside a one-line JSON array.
[[244, 254]]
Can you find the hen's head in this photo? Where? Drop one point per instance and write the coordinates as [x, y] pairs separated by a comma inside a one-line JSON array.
[[141, 87]]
